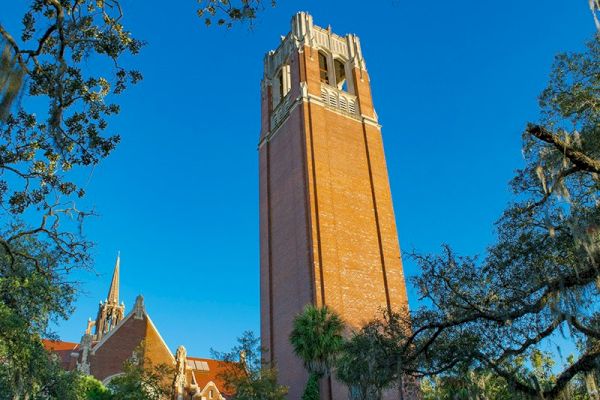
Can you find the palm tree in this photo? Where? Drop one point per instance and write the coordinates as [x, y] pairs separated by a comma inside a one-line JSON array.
[[317, 340]]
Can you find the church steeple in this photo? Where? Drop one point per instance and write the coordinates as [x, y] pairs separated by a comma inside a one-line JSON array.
[[113, 291], [110, 312]]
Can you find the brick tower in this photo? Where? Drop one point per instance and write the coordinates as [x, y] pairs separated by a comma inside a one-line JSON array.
[[327, 227]]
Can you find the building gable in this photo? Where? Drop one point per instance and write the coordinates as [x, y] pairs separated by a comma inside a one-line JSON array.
[[119, 344], [156, 349], [108, 355]]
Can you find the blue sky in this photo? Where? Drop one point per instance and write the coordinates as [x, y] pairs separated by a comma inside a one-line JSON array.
[[454, 83]]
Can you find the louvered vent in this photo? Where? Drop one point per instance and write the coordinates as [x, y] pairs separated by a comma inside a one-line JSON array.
[[352, 107], [339, 100]]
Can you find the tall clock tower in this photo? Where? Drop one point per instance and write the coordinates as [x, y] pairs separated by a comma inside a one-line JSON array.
[[327, 228]]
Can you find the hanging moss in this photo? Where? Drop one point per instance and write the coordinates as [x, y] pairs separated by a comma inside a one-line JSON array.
[[11, 80]]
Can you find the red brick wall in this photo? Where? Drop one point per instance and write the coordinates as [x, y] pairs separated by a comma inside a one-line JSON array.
[[286, 275], [328, 232], [108, 359]]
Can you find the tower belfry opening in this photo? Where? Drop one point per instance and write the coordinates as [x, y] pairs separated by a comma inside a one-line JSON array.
[[327, 227]]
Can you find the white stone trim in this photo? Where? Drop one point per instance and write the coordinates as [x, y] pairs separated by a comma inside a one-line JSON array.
[[211, 385], [310, 98], [107, 380], [304, 32]]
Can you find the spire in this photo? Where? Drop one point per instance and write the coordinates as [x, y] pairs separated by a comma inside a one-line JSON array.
[[110, 313], [113, 292]]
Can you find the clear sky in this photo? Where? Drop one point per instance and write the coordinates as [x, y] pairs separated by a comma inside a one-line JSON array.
[[454, 84]]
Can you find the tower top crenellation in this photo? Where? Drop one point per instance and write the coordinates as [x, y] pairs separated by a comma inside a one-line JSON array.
[[305, 33]]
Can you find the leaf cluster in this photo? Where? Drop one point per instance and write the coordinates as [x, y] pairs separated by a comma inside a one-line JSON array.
[[66, 66], [31, 294], [142, 380], [541, 277], [317, 338], [246, 374], [227, 12]]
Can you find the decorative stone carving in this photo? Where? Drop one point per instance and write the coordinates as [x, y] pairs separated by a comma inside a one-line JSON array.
[[305, 33], [180, 367], [90, 325], [86, 345], [139, 308]]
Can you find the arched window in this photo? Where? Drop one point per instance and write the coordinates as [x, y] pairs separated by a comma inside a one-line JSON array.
[[340, 75], [323, 68]]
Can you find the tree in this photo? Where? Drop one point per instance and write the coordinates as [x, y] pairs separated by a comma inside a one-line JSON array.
[[46, 378], [142, 380], [28, 299], [64, 129], [71, 385], [468, 385], [484, 384], [246, 374], [365, 364], [93, 389], [317, 339], [541, 276], [54, 114]]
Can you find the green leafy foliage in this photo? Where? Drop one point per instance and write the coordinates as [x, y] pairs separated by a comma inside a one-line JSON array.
[[485, 384], [61, 121], [142, 380], [365, 364], [227, 12], [31, 292], [541, 277], [311, 392], [58, 81], [246, 374], [317, 339], [93, 389]]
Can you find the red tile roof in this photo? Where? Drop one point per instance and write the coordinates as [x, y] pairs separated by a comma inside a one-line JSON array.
[[62, 349], [215, 368], [58, 345]]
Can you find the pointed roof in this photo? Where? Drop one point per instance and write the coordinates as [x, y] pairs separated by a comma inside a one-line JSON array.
[[153, 341], [113, 291]]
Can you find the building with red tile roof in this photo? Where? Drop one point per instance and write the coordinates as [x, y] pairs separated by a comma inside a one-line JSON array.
[[118, 337]]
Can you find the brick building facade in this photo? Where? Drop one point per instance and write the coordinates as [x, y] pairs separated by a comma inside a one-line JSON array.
[[327, 227]]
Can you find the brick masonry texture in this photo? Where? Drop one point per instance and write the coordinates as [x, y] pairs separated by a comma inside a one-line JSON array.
[[327, 225], [108, 359]]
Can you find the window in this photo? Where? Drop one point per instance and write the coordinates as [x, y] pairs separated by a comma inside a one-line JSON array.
[[281, 84], [340, 75], [323, 68]]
